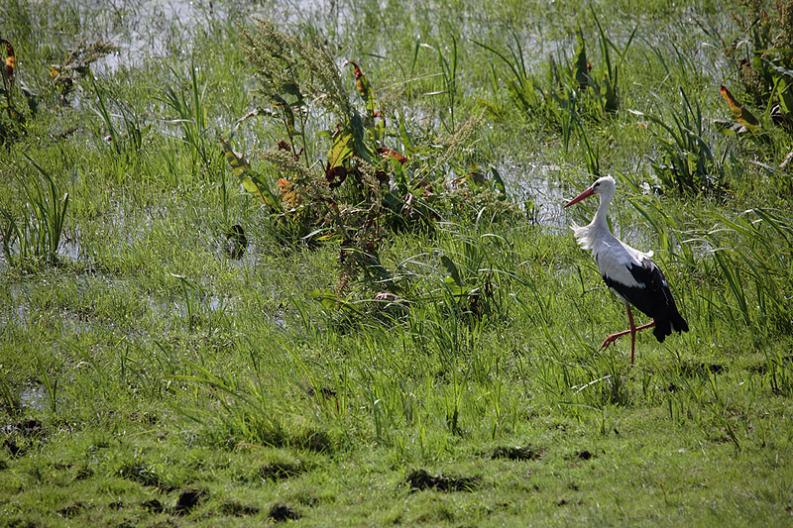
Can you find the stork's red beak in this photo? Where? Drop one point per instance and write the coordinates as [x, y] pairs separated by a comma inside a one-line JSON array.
[[586, 194]]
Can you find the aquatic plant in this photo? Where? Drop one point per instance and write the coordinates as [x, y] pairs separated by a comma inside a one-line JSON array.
[[32, 231], [687, 162], [574, 88], [365, 186]]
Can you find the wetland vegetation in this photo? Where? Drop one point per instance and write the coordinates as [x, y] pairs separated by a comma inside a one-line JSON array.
[[307, 262]]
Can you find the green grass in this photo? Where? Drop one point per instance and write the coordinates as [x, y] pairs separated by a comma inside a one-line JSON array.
[[138, 361]]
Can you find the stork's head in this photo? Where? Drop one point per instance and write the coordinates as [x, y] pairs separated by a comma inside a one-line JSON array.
[[604, 186]]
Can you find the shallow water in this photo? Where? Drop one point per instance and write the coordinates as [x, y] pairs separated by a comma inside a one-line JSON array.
[[150, 28], [147, 29], [531, 183], [34, 396], [69, 245]]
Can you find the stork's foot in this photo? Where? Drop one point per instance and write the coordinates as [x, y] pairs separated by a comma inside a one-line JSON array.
[[610, 339], [633, 330]]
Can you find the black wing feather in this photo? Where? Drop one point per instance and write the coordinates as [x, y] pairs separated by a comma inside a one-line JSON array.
[[654, 299]]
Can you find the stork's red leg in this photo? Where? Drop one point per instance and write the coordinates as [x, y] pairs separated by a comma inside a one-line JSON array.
[[613, 337], [633, 331]]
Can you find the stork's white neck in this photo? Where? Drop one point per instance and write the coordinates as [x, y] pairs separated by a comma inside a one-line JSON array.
[[589, 235], [600, 221]]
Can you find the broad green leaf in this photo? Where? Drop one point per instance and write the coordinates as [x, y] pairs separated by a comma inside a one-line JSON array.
[[326, 298], [499, 182], [250, 180], [451, 268], [359, 132], [291, 88], [340, 152], [289, 115], [407, 143], [785, 95]]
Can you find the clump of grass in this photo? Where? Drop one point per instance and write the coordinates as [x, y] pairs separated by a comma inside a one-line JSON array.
[[749, 252], [474, 281], [32, 232], [687, 163], [449, 73], [246, 413], [573, 88], [243, 410], [190, 115], [142, 473], [9, 393], [779, 372], [447, 335], [186, 100], [125, 141]]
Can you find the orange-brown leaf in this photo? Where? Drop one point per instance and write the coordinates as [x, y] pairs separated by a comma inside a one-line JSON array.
[[11, 59], [288, 193], [360, 81], [356, 70], [739, 112], [393, 154], [364, 89]]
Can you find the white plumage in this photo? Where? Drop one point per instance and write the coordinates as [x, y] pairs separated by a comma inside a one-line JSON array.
[[629, 273], [614, 258]]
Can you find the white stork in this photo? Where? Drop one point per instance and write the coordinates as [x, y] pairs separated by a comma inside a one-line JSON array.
[[628, 272]]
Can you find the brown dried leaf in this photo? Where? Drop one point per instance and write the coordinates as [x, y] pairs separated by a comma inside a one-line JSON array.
[[364, 90], [11, 59], [386, 152], [741, 114]]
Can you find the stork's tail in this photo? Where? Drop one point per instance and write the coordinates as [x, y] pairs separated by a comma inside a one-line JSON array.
[[678, 323], [664, 326]]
